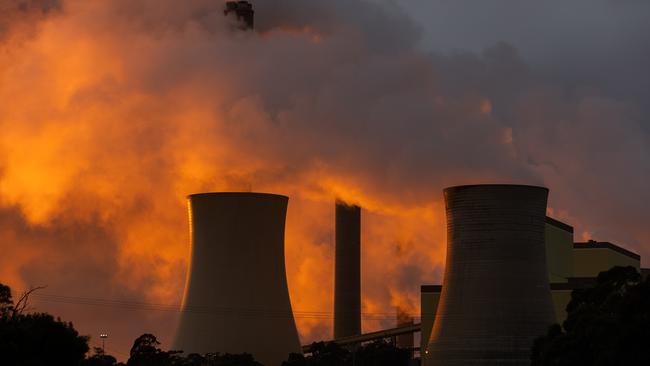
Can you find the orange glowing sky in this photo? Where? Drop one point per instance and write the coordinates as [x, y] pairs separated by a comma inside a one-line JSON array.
[[113, 111]]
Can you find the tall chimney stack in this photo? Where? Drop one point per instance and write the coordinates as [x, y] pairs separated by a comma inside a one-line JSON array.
[[243, 11], [347, 271]]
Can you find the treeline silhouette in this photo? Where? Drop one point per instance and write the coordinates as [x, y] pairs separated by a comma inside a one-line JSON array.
[[607, 325], [378, 353], [39, 339]]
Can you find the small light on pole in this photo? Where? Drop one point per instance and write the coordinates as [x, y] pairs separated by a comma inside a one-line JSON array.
[[103, 336]]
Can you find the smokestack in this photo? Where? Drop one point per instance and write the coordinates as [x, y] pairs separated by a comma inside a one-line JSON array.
[[495, 297], [347, 271], [236, 297], [243, 11]]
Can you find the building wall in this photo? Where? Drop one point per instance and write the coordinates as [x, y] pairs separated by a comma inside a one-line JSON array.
[[559, 247], [561, 299], [588, 262]]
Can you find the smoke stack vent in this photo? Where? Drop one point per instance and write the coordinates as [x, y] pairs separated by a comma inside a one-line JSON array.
[[495, 297], [347, 276], [236, 296], [243, 11]]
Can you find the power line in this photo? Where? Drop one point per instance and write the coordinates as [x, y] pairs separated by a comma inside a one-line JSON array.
[[221, 311]]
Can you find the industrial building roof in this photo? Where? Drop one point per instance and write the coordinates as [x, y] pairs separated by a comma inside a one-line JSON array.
[[591, 244], [559, 224]]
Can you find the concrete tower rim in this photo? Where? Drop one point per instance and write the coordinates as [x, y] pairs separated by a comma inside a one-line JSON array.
[[493, 185], [236, 194]]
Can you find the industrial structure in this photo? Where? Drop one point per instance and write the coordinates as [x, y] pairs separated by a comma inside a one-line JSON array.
[[570, 266], [243, 13], [236, 297], [347, 270], [510, 272], [404, 320], [487, 315], [516, 261]]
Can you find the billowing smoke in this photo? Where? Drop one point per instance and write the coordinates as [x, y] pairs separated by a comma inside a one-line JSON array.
[[111, 112]]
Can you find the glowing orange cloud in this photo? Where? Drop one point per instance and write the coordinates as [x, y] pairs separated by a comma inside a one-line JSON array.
[[87, 136]]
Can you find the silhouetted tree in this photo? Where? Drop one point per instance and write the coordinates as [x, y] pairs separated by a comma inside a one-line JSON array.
[[322, 354], [36, 339], [195, 359], [6, 301], [296, 359], [227, 359], [145, 352], [376, 353], [100, 359], [606, 325], [382, 353]]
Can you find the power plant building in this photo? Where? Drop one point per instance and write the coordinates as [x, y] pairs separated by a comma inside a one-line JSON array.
[[509, 275], [510, 272], [570, 266], [558, 239], [589, 258], [236, 297]]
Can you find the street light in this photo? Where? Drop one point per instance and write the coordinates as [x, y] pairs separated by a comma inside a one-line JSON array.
[[103, 336]]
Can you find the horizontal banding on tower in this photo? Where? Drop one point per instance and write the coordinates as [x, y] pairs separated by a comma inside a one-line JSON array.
[[495, 299]]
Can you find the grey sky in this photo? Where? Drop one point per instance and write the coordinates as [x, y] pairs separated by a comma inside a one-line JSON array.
[[597, 41]]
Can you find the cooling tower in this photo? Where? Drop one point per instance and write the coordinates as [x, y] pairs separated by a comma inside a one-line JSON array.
[[347, 271], [495, 297], [236, 297]]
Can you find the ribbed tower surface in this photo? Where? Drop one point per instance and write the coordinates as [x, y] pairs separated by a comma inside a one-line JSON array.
[[496, 298]]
